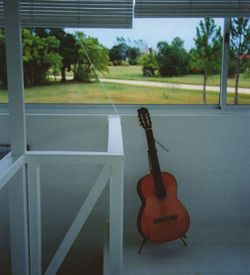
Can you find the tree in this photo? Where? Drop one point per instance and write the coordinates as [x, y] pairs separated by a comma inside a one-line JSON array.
[[240, 49], [39, 55], [141, 45], [92, 57], [117, 54], [172, 58], [67, 50], [149, 63], [133, 54], [3, 68], [195, 67], [125, 50], [208, 43]]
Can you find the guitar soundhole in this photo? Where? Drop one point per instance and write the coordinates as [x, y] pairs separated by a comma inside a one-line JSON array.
[[165, 219]]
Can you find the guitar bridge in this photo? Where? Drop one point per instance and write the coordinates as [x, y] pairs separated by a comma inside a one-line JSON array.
[[165, 219]]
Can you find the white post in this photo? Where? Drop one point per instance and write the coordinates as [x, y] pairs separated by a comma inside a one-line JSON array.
[[17, 187], [15, 76], [18, 224], [116, 219], [34, 210], [224, 68]]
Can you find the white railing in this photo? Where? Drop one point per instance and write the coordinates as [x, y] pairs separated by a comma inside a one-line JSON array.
[[9, 166], [112, 172], [12, 173]]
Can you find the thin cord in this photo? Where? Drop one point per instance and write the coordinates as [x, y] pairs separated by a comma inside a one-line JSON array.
[[100, 82], [161, 145]]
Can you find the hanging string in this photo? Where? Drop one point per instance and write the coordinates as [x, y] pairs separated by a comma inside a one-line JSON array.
[[98, 79], [161, 145]]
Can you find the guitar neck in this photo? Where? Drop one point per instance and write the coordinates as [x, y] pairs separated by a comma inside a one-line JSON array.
[[154, 164], [153, 157]]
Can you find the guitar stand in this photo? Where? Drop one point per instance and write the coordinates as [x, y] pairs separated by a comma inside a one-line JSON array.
[[142, 244], [183, 241], [145, 240]]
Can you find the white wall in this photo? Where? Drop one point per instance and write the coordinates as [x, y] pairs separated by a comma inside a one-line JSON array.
[[209, 154]]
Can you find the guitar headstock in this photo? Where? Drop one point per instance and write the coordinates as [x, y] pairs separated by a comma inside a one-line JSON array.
[[144, 118]]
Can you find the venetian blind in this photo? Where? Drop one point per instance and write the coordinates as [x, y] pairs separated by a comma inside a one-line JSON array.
[[1, 13], [192, 8], [75, 13]]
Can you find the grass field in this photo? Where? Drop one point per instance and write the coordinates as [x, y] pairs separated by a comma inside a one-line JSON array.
[[120, 94], [135, 73], [72, 92]]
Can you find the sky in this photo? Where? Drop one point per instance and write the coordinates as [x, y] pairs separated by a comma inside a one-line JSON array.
[[151, 31]]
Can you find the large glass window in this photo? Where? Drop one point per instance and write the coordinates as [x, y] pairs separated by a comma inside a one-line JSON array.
[[159, 61]]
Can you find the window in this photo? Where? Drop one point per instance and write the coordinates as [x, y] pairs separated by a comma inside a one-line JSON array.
[[95, 66], [172, 55]]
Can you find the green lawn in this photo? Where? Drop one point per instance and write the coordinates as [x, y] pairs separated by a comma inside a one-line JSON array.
[[135, 73], [120, 94]]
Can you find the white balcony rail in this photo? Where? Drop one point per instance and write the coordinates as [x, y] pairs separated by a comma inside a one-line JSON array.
[[9, 166], [112, 159]]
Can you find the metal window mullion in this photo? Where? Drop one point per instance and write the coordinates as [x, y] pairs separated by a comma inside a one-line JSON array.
[[224, 67]]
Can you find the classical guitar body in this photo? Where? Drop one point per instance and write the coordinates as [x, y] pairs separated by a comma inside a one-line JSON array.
[[161, 219]]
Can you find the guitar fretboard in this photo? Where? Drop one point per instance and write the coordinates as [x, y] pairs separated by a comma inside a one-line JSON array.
[[154, 165]]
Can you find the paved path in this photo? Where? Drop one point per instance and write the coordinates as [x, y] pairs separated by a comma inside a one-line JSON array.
[[173, 85]]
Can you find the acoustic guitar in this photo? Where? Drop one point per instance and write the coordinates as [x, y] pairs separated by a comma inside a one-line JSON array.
[[162, 217]]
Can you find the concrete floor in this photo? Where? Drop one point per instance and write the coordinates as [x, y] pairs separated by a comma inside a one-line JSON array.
[[217, 250]]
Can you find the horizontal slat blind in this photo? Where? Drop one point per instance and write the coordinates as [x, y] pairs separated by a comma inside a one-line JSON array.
[[1, 13], [192, 8], [75, 13]]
